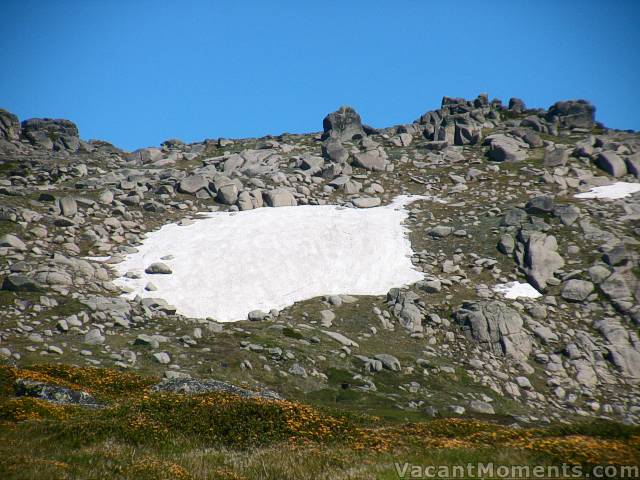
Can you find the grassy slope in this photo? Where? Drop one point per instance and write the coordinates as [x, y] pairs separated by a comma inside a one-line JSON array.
[[144, 435]]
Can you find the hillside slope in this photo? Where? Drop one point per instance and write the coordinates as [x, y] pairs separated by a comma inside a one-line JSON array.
[[507, 198]]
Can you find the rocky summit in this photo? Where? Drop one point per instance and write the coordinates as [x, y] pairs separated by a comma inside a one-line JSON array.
[[525, 236]]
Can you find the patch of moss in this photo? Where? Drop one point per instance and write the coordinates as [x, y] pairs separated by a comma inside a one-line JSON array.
[[291, 333]]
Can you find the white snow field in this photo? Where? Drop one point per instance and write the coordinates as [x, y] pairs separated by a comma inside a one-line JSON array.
[[228, 264], [517, 290], [611, 192]]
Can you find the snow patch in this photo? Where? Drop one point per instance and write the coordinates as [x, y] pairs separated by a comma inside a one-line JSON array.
[[612, 192], [517, 290], [227, 264]]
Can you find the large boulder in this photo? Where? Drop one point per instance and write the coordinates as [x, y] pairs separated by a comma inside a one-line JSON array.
[[11, 241], [572, 114], [506, 149], [343, 124], [68, 206], [369, 161], [516, 105], [496, 326], [158, 268], [558, 157], [633, 164], [194, 387], [192, 184], [389, 361], [145, 155], [616, 287], [623, 347], [53, 393], [333, 150], [576, 290], [9, 126], [611, 163], [533, 122], [467, 133], [279, 197], [227, 194], [51, 134], [19, 283], [311, 164], [541, 259], [405, 309]]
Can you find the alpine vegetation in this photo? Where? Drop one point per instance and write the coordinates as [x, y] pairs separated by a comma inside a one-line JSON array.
[[461, 287]]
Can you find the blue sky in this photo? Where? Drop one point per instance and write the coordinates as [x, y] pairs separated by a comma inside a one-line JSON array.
[[138, 72]]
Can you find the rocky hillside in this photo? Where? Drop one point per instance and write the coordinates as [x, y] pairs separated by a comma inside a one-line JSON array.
[[501, 182]]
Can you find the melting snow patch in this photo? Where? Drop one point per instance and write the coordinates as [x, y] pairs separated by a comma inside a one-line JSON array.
[[227, 264], [612, 192], [517, 290]]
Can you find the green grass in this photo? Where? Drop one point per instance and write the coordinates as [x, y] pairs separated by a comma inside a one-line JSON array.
[[142, 434]]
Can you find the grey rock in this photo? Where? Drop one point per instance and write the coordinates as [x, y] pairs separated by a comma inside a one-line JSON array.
[[389, 362], [366, 202], [51, 134], [616, 287], [162, 358], [195, 387], [440, 231], [617, 255], [505, 149], [94, 337], [326, 318], [533, 122], [19, 283], [545, 334], [568, 214], [53, 393], [369, 161], [576, 290], [68, 206], [53, 276], [557, 157], [11, 241], [145, 155], [516, 105], [623, 347], [338, 337], [298, 370], [192, 184], [158, 268], [144, 339], [541, 259], [227, 194], [633, 164], [598, 273], [541, 204], [572, 114], [496, 326], [279, 198], [611, 163], [334, 151], [405, 309], [432, 286], [514, 217], [343, 124], [507, 244], [478, 406], [9, 126], [257, 315], [312, 164]]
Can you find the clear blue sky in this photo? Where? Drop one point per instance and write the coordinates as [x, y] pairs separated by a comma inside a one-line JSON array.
[[138, 72]]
